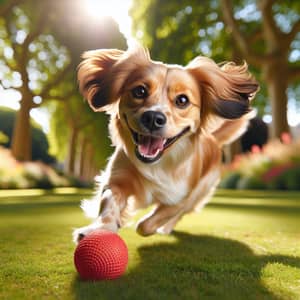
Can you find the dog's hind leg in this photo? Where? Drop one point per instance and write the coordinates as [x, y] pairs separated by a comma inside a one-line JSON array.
[[160, 216], [169, 226]]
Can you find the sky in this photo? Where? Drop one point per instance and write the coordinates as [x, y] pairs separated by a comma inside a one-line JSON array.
[[118, 9]]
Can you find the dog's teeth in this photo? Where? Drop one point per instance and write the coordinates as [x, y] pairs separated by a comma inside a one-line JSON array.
[[149, 156]]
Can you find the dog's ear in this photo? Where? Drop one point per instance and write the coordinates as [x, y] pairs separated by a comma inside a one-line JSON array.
[[226, 90], [94, 77]]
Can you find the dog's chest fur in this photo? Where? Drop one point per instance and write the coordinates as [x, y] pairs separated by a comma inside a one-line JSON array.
[[165, 187], [168, 181]]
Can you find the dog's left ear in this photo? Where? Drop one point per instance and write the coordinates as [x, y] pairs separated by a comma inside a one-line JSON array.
[[226, 90], [95, 77]]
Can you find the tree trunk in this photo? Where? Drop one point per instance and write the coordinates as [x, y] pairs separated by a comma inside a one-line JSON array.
[[70, 165], [274, 61], [88, 164], [231, 150], [88, 160], [82, 156], [21, 138], [276, 78]]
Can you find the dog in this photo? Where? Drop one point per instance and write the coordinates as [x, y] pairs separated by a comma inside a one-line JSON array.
[[168, 124]]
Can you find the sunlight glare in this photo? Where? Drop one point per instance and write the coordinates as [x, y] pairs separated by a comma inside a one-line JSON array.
[[117, 9]]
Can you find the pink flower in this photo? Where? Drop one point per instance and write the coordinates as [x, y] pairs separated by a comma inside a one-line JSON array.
[[286, 138], [275, 172], [255, 149]]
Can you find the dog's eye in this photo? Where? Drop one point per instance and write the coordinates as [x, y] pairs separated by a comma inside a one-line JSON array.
[[139, 92], [182, 101]]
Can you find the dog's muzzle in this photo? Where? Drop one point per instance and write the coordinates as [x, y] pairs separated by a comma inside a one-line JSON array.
[[151, 146]]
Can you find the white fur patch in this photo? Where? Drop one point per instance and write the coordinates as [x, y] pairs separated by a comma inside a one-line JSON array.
[[91, 207]]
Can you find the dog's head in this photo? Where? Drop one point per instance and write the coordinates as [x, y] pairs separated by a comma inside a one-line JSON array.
[[157, 104]]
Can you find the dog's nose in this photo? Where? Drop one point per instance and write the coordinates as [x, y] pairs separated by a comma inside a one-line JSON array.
[[153, 120]]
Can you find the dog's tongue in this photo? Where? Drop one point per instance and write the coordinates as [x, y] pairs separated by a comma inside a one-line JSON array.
[[149, 145]]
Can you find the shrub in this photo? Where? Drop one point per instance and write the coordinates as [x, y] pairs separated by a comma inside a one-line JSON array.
[[230, 180], [290, 179], [14, 174], [3, 138], [250, 183]]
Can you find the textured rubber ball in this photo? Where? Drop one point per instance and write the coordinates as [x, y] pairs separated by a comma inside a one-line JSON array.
[[101, 255]]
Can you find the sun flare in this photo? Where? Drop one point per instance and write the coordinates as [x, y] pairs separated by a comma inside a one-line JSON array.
[[117, 9]]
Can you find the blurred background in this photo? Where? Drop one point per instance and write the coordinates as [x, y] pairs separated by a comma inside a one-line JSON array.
[[49, 137]]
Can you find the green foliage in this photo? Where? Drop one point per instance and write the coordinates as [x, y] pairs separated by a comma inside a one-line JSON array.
[[42, 56], [288, 179], [291, 178], [177, 32], [59, 132], [250, 183], [3, 138], [7, 118], [229, 181], [92, 127]]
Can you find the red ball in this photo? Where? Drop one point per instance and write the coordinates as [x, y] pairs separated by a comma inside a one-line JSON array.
[[101, 255]]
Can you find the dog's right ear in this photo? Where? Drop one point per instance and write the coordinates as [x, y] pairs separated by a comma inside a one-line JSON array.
[[94, 77]]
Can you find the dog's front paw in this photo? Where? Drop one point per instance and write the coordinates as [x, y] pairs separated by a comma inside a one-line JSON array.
[[80, 233], [164, 230]]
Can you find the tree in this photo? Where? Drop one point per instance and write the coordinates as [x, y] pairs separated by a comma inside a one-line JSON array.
[[273, 58], [6, 6], [42, 47], [73, 120], [34, 63], [87, 134], [39, 139], [266, 34]]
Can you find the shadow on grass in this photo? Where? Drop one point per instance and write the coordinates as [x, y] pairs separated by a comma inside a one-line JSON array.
[[254, 194], [13, 205], [283, 209], [26, 208], [194, 267]]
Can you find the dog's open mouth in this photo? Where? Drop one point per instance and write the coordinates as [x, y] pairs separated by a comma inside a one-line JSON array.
[[149, 148]]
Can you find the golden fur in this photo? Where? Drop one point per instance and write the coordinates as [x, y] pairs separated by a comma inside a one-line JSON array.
[[171, 156]]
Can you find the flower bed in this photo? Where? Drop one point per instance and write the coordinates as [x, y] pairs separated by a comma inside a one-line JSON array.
[[275, 166], [15, 174]]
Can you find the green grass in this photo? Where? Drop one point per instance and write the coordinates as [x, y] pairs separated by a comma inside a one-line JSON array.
[[243, 245]]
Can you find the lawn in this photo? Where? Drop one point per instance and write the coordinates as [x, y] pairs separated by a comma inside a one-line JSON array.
[[243, 245]]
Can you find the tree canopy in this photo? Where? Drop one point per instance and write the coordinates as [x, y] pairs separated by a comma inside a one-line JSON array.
[[264, 33], [41, 48]]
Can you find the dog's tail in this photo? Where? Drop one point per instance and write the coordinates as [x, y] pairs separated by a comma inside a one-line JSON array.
[[227, 131]]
